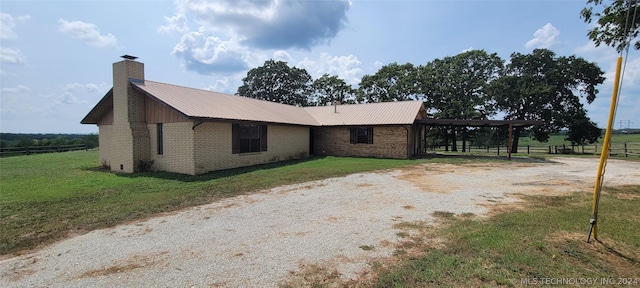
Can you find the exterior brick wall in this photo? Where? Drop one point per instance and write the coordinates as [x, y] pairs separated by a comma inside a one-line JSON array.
[[130, 136], [178, 147], [105, 136], [212, 142], [388, 142]]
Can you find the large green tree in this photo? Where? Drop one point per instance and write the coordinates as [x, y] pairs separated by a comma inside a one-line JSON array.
[[456, 87], [618, 22], [327, 89], [583, 131], [275, 81], [392, 82], [542, 86]]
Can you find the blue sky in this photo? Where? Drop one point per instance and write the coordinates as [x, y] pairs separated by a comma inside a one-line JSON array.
[[56, 56]]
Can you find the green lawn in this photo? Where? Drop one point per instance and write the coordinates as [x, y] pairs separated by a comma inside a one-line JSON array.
[[519, 248], [45, 197]]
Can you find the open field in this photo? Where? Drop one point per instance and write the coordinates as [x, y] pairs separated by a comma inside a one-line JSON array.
[[439, 222], [46, 197]]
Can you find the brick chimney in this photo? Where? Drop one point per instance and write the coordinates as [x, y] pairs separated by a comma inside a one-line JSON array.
[[131, 135]]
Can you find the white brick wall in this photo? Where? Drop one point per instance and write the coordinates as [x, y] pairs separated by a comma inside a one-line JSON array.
[[213, 146]]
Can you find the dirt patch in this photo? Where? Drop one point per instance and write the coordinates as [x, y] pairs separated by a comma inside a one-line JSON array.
[[426, 178], [617, 255]]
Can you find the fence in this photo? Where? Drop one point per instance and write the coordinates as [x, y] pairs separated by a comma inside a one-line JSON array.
[[14, 151], [625, 149]]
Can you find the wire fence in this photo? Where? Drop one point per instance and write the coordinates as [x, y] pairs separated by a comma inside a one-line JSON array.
[[15, 151], [625, 149]]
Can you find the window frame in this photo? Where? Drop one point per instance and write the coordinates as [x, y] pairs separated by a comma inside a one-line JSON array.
[[160, 137], [238, 145], [356, 135]]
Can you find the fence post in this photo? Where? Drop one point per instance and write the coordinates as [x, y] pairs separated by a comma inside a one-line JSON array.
[[595, 149], [26, 150], [625, 149], [487, 149], [582, 148], [498, 148], [549, 149], [527, 149]]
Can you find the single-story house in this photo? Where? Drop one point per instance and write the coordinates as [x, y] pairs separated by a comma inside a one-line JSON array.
[[193, 131]]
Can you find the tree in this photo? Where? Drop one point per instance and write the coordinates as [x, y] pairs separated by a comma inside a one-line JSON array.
[[392, 82], [583, 131], [541, 86], [618, 23], [275, 81], [457, 87], [327, 89]]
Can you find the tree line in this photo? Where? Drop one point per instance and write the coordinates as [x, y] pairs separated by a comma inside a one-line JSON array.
[[37, 140], [476, 84], [471, 85]]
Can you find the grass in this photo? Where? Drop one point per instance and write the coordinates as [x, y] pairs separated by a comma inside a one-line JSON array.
[[547, 240], [46, 197]]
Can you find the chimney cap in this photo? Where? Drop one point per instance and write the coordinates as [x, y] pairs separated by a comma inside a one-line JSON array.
[[129, 57]]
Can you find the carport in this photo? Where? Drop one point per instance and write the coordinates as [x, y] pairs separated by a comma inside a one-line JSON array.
[[424, 124]]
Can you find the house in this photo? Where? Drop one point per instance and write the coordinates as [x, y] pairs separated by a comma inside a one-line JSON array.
[[192, 131]]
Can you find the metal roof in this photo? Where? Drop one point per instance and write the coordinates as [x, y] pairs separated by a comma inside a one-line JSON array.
[[196, 103], [384, 113], [208, 105]]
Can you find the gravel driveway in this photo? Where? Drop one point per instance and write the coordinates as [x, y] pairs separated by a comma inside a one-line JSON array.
[[262, 239]]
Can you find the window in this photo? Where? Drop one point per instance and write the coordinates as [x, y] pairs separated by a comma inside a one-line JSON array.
[[248, 138], [363, 135], [160, 144]]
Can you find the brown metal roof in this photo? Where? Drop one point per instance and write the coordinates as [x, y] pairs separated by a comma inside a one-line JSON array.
[[196, 103], [384, 113], [204, 104]]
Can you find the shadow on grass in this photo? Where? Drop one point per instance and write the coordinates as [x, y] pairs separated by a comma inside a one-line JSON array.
[[206, 176], [617, 253]]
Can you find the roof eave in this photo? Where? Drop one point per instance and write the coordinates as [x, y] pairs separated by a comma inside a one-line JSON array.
[[90, 118]]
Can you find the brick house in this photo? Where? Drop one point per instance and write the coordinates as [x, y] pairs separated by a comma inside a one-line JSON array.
[[192, 131]]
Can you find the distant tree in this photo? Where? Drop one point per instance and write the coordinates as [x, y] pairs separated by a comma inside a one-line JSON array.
[[618, 22], [327, 89], [275, 81], [583, 131], [456, 86], [392, 82], [23, 141], [541, 86], [91, 140], [61, 140]]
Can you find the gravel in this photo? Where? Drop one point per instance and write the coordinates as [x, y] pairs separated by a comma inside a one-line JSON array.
[[262, 239]]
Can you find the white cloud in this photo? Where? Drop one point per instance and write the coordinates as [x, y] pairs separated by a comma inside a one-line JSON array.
[[544, 37], [467, 50], [82, 87], [18, 89], [88, 33], [206, 54], [11, 55], [345, 67], [7, 23], [281, 55], [175, 24]]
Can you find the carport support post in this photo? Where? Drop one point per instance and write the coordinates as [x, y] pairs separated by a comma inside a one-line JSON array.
[[510, 140]]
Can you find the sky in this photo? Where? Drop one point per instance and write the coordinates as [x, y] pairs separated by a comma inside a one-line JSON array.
[[56, 56]]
